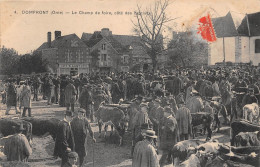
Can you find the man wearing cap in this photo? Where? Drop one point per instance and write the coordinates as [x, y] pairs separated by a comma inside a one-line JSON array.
[[70, 96], [64, 138], [249, 98], [144, 152], [169, 135], [79, 126], [183, 117], [156, 115], [17, 147], [71, 160]]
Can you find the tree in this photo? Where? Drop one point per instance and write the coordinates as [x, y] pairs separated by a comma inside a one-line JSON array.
[[150, 23], [8, 61], [185, 49]]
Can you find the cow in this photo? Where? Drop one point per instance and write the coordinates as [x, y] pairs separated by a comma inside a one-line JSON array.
[[201, 154], [242, 126], [44, 127], [180, 150], [247, 139], [203, 119], [6, 127], [251, 112], [114, 116]]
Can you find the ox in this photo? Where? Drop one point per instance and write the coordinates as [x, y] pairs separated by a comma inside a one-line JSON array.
[[6, 127], [113, 115], [242, 126], [44, 127]]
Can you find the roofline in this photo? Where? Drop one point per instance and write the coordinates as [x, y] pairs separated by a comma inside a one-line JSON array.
[[107, 42]]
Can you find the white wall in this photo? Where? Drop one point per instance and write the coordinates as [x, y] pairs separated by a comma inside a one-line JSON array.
[[216, 50]]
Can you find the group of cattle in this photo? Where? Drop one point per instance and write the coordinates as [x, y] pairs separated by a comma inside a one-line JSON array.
[[244, 149]]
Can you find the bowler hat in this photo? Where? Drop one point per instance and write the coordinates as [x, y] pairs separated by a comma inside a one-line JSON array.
[[69, 113], [150, 133]]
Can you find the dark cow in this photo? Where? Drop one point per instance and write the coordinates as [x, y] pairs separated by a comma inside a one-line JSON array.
[[247, 139], [6, 127], [43, 127], [201, 119], [242, 126], [180, 150], [110, 114]]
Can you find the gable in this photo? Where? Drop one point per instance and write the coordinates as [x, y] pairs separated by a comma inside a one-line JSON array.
[[251, 21]]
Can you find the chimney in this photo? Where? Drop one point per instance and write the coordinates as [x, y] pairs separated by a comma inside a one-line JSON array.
[[105, 32], [57, 34], [49, 39]]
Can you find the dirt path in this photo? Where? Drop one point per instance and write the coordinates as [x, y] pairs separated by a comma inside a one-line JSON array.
[[105, 154]]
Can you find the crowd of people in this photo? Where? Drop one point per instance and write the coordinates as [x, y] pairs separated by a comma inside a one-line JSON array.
[[161, 105]]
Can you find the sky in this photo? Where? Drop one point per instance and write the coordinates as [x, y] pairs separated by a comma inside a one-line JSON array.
[[26, 32]]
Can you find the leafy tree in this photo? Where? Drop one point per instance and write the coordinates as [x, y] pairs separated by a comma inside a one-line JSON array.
[[8, 61], [187, 50]]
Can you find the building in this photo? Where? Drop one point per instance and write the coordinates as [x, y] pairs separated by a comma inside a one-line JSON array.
[[66, 54], [237, 44], [117, 53]]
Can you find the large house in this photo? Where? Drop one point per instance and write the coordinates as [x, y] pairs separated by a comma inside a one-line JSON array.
[[101, 51], [116, 53], [66, 54], [237, 44]]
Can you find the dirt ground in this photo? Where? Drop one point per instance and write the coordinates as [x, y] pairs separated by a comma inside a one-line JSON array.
[[99, 154]]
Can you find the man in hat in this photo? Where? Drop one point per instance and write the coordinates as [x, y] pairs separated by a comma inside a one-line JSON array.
[[17, 147], [249, 98], [116, 92], [71, 160], [141, 117], [169, 135], [133, 109], [183, 117], [79, 126], [86, 101], [144, 152], [11, 99], [56, 81], [70, 95], [26, 100], [64, 139], [156, 114]]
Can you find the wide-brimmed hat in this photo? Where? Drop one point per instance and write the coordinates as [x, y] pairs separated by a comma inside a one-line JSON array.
[[81, 110], [150, 133]]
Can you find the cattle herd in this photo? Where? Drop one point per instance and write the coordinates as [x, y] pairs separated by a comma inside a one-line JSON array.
[[215, 97]]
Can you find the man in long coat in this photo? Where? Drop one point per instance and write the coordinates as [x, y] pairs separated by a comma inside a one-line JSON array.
[[70, 96], [169, 135], [11, 98], [183, 117], [144, 153], [64, 139], [26, 100], [79, 126], [86, 100], [17, 147]]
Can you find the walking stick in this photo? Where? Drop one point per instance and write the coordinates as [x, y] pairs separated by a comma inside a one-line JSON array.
[[93, 152]]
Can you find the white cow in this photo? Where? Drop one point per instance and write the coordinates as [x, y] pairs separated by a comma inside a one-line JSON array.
[[251, 113]]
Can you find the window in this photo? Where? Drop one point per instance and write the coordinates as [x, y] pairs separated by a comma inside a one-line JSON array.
[[103, 46], [79, 56], [257, 46], [125, 59], [104, 57]]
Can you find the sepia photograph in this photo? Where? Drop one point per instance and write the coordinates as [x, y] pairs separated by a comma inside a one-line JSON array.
[[129, 83]]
